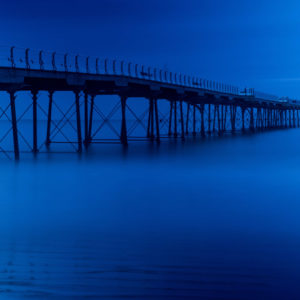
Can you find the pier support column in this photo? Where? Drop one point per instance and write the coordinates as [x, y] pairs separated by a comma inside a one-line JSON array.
[[187, 119], [181, 121], [157, 121], [86, 118], [243, 119], [265, 118], [214, 119], [209, 120], [175, 119], [91, 119], [49, 120], [150, 127], [280, 118], [222, 120], [251, 119], [79, 137], [219, 120], [286, 119], [151, 101], [14, 124], [34, 118], [232, 117], [170, 118], [271, 118], [294, 118], [258, 118], [194, 120], [225, 118], [202, 109], [123, 136]]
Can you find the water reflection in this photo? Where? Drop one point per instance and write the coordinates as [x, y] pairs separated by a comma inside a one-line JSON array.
[[205, 219]]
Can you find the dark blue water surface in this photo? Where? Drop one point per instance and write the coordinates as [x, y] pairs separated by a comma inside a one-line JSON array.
[[208, 219]]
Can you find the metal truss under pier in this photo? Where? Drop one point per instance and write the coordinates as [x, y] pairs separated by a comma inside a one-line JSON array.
[[195, 107]]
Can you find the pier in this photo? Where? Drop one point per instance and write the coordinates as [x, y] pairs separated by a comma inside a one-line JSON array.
[[197, 107]]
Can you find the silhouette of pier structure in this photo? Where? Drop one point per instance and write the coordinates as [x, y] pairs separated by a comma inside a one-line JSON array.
[[196, 106]]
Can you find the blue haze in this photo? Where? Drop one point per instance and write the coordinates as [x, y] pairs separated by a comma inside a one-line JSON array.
[[205, 219], [250, 43]]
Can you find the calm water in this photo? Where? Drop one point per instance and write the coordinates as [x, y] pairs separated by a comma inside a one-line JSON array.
[[213, 219]]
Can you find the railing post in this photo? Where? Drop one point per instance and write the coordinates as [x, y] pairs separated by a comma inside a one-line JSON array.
[[66, 62], [53, 62], [12, 58], [105, 66], [97, 66], [14, 123], [87, 65], [41, 62], [27, 59]]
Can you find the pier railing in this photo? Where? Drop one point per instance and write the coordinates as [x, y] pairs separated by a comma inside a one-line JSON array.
[[31, 59]]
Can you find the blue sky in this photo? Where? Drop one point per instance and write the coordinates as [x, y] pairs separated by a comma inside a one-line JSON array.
[[250, 43]]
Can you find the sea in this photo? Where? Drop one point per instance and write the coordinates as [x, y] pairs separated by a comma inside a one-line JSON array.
[[207, 218]]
